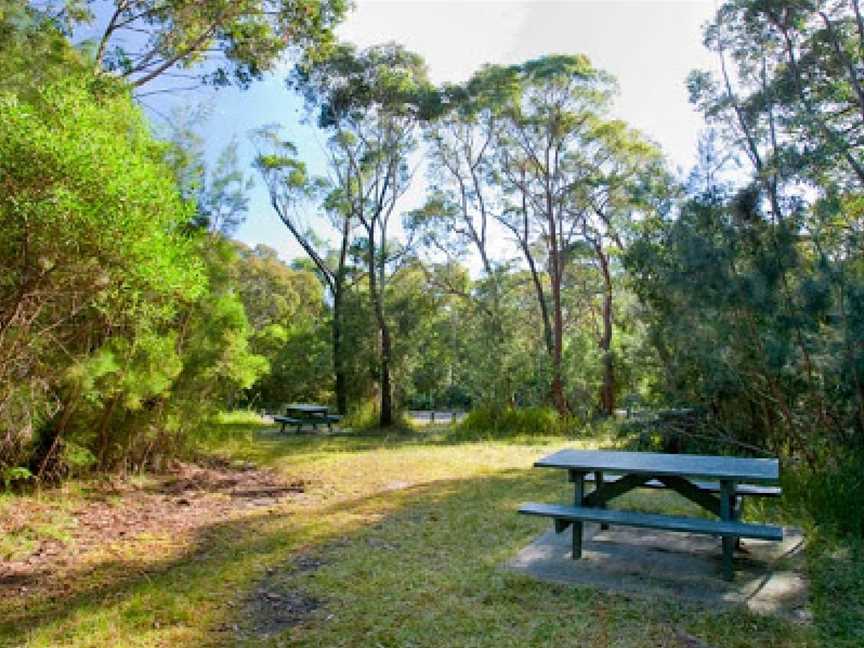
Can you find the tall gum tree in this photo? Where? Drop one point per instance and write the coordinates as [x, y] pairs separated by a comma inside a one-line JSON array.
[[458, 218], [292, 195], [624, 175], [371, 102], [530, 148], [552, 106]]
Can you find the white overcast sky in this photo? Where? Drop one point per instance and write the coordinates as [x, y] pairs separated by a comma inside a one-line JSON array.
[[648, 45]]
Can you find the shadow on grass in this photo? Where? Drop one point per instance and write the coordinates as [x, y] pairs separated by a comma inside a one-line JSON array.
[[231, 562], [418, 565]]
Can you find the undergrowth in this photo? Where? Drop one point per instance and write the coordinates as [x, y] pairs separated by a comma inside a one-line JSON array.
[[491, 421]]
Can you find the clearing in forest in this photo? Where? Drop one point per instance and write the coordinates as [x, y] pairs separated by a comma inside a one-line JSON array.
[[390, 540]]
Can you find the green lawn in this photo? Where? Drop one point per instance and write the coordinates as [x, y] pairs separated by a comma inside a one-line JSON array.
[[396, 541]]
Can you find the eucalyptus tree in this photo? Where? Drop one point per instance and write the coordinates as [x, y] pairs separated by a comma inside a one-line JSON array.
[[626, 176], [371, 103], [458, 220], [553, 109], [216, 42], [529, 150], [293, 195]]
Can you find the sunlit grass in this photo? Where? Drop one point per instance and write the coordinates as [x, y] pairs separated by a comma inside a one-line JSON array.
[[407, 533]]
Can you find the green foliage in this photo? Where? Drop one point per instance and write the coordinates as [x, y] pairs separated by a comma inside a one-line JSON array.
[[146, 39], [34, 49], [365, 416], [568, 213], [289, 320], [120, 329], [92, 250], [753, 286], [829, 498], [14, 474], [362, 416], [501, 422], [77, 458]]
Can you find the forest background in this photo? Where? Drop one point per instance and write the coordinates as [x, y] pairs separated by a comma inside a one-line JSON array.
[[557, 270]]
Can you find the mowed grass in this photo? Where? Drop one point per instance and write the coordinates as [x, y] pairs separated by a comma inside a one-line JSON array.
[[398, 540]]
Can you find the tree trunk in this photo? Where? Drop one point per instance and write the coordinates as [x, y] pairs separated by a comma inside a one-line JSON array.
[[555, 272], [607, 388], [338, 360], [541, 298], [104, 437], [376, 293], [558, 398], [57, 434], [386, 392]]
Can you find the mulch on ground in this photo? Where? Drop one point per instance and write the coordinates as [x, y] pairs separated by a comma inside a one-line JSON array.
[[111, 516]]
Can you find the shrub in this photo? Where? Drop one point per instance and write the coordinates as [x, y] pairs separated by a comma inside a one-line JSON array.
[[830, 497], [364, 417], [506, 421]]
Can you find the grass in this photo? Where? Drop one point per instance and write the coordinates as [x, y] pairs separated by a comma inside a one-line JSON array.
[[405, 534], [27, 521]]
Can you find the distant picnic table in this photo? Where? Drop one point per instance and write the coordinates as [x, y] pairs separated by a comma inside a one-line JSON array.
[[614, 473], [300, 414]]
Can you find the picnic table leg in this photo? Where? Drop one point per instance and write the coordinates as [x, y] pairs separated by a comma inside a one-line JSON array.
[[737, 504], [727, 499], [598, 484], [578, 479]]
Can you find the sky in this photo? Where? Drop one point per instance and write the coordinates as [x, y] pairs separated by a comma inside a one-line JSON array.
[[648, 45]]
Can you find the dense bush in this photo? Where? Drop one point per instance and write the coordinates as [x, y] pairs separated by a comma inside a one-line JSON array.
[[119, 333], [494, 421]]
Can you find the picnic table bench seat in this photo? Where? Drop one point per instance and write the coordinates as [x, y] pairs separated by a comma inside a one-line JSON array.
[[565, 515], [752, 490]]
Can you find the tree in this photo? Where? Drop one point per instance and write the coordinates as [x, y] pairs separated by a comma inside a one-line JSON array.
[[216, 42], [289, 317], [625, 174], [546, 126], [120, 333], [91, 246], [371, 102], [33, 50], [458, 218], [292, 193], [754, 288]]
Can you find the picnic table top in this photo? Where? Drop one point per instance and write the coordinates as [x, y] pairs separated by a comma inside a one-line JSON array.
[[655, 463], [307, 408]]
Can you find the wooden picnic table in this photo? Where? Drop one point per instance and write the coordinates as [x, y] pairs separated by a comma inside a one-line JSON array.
[[614, 473]]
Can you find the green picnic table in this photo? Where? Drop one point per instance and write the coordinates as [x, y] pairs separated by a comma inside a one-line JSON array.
[[300, 414], [715, 483]]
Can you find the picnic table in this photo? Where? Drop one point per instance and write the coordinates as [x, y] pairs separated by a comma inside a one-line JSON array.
[[300, 414], [614, 473]]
